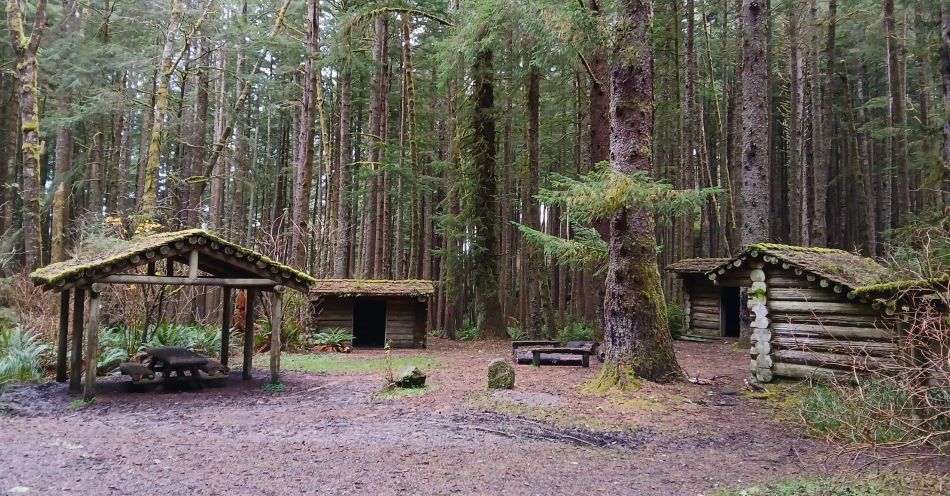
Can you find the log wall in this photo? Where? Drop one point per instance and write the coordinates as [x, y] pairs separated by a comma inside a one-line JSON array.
[[701, 306], [816, 330]]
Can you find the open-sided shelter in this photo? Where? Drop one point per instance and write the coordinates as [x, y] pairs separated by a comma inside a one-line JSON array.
[[374, 312], [191, 257], [810, 311]]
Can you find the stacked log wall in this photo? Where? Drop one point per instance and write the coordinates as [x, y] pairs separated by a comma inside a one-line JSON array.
[[817, 330], [405, 322], [330, 312], [702, 307]]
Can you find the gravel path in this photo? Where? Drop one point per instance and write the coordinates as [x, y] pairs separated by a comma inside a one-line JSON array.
[[327, 434]]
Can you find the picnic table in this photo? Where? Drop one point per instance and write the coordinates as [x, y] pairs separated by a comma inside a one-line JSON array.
[[167, 359]]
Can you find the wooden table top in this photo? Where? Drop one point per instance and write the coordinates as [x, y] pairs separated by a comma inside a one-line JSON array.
[[177, 357]]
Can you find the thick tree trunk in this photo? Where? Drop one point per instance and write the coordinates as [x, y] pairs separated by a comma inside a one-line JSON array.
[[754, 201], [796, 124], [24, 48], [483, 215], [636, 334]]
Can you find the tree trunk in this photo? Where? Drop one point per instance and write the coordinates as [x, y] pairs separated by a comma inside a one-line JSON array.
[[303, 180], [636, 335], [341, 255], [24, 48], [535, 271], [897, 116], [754, 201], [483, 215], [64, 157], [945, 78], [149, 208]]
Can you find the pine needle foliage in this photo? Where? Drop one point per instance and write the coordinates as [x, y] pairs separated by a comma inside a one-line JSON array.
[[603, 192], [598, 195], [586, 250]]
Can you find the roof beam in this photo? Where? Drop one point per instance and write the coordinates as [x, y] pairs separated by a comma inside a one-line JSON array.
[[189, 281]]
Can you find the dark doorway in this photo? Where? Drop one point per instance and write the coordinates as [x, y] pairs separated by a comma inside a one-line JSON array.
[[729, 312], [369, 323]]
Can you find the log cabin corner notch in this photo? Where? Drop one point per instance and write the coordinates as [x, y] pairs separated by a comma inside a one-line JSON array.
[[808, 313], [374, 312]]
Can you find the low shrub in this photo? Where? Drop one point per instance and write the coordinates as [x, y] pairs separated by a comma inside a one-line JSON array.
[[674, 315], [334, 338], [21, 356], [579, 331], [468, 334], [515, 333]]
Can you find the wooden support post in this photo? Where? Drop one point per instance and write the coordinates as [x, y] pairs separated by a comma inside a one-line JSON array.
[[277, 315], [249, 334], [92, 339], [225, 325], [193, 264], [63, 337], [75, 365]]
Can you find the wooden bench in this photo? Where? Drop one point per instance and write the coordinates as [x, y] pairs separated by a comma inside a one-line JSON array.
[[516, 345], [215, 370], [140, 373], [583, 352]]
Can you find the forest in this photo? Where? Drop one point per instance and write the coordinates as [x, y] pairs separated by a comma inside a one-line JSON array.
[[433, 140], [726, 222]]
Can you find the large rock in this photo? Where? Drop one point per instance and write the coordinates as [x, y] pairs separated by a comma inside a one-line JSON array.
[[411, 377], [501, 375]]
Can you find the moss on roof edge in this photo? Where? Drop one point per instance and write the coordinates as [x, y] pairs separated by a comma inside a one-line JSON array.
[[900, 285], [39, 276]]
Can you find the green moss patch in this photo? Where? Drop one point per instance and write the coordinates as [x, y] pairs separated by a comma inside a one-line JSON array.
[[898, 484], [346, 364], [396, 393], [90, 261]]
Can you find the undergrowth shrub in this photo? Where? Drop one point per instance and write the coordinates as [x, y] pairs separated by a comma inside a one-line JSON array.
[[579, 331], [22, 354], [469, 333], [335, 338], [674, 315], [515, 333]]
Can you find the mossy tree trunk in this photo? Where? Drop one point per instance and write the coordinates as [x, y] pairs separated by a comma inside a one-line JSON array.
[[482, 213], [149, 207], [754, 202], [636, 334], [24, 47]]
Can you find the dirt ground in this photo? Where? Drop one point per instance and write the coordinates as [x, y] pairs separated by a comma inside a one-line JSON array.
[[328, 433]]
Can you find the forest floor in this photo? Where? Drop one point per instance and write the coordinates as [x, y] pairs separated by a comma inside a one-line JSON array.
[[331, 432]]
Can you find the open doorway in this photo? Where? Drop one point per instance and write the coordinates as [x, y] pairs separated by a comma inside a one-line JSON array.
[[729, 312], [369, 323]]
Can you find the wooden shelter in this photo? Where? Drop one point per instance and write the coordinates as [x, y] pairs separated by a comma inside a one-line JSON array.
[[205, 260], [810, 312], [374, 312]]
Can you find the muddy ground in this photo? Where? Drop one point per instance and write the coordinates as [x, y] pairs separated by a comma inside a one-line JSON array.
[[328, 433]]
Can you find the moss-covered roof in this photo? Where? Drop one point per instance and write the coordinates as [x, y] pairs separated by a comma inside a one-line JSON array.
[[371, 287], [88, 266], [889, 289], [695, 265], [837, 266]]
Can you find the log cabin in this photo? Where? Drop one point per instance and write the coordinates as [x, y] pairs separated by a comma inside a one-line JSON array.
[[374, 312], [811, 311]]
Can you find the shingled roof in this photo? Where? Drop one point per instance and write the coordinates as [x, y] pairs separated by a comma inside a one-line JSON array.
[[371, 287], [87, 266], [837, 266], [695, 265]]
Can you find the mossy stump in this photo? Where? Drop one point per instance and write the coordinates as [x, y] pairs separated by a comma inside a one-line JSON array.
[[501, 375]]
